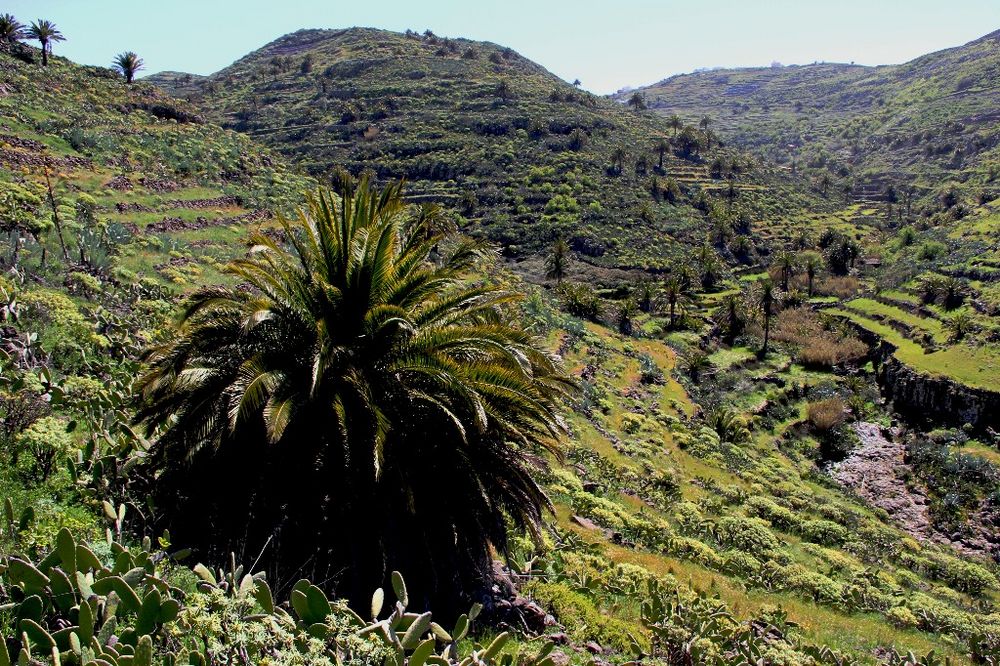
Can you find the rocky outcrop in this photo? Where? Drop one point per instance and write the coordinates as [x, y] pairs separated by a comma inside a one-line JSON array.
[[926, 398]]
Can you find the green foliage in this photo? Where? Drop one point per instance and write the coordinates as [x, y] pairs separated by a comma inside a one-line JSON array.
[[378, 346]]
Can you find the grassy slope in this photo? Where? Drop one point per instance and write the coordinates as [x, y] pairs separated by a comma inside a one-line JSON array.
[[481, 129]]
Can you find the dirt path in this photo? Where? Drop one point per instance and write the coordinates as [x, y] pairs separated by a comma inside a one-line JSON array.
[[875, 471]]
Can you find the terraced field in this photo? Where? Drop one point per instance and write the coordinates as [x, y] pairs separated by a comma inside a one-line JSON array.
[[144, 190]]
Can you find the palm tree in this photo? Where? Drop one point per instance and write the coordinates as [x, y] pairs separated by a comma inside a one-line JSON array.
[[730, 425], [637, 101], [812, 262], [11, 30], [557, 261], [675, 123], [787, 265], [730, 318], [661, 145], [128, 64], [766, 299], [674, 293], [45, 32], [959, 325], [352, 408], [618, 156]]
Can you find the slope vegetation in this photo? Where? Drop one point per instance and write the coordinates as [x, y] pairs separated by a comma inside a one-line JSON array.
[[521, 155]]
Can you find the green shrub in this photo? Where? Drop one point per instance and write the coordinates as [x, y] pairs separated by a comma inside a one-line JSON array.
[[752, 535], [825, 532], [902, 617], [582, 619]]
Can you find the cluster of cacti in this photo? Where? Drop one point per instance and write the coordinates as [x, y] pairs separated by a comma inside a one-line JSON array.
[[73, 609]]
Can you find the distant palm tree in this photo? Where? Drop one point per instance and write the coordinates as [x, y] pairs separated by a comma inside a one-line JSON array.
[[11, 30], [128, 64], [674, 122], [674, 293], [661, 146], [766, 299], [45, 32], [787, 265], [637, 101], [618, 156], [557, 261], [352, 408], [812, 262]]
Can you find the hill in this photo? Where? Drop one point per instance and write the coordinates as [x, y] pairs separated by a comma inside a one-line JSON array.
[[743, 478], [923, 125], [523, 156]]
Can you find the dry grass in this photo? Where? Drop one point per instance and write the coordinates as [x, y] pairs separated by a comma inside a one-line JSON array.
[[818, 346], [825, 415], [841, 287]]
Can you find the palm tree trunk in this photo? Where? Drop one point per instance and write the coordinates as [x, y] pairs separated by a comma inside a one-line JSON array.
[[767, 331], [45, 54], [55, 217]]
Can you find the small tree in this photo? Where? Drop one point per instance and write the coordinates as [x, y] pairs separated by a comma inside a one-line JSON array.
[[558, 261], [128, 63], [45, 32]]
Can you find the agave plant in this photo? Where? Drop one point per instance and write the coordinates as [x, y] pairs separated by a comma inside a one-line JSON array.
[[352, 408], [128, 64]]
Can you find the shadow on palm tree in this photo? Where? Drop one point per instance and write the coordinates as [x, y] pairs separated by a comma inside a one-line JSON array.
[[353, 408]]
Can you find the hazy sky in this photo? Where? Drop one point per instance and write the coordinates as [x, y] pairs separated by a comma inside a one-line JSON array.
[[607, 45]]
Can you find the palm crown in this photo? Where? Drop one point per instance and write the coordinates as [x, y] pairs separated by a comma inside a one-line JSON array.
[[128, 64], [10, 28], [353, 407], [45, 32]]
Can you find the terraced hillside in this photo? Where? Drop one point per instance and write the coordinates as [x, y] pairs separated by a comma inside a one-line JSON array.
[[521, 155], [136, 184], [921, 126]]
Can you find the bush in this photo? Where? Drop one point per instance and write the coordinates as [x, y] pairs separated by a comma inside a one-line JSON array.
[[752, 535], [583, 620], [823, 532], [902, 617], [580, 300], [47, 442], [777, 515]]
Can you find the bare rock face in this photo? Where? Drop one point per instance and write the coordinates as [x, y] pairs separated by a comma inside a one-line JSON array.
[[875, 471]]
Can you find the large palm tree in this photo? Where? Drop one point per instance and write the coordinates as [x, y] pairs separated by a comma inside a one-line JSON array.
[[128, 63], [45, 32], [352, 408], [11, 30]]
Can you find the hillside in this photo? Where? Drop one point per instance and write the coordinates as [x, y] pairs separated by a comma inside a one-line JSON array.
[[522, 156], [777, 444], [923, 125]]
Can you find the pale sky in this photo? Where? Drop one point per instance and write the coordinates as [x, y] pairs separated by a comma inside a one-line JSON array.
[[607, 45]]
